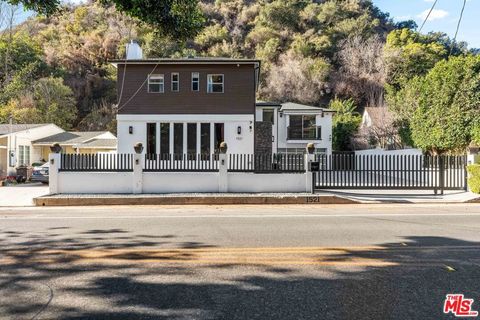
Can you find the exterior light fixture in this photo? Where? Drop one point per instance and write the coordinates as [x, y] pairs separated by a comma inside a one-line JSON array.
[[239, 130], [130, 129]]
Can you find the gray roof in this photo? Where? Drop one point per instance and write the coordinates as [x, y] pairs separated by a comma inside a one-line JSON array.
[[296, 106], [268, 104], [5, 128], [69, 138], [100, 143]]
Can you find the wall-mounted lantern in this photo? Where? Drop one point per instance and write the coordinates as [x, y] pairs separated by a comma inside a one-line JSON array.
[[130, 129], [239, 130]]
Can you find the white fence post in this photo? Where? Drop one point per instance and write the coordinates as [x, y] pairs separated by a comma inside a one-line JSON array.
[[137, 174], [222, 173], [55, 161], [308, 175]]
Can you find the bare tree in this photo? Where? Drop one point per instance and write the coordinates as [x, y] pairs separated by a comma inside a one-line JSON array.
[[362, 71], [300, 79]]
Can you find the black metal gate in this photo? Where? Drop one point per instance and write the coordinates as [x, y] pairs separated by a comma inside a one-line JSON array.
[[350, 171]]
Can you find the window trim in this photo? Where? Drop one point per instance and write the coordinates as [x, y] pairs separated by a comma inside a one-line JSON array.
[[197, 81], [209, 76], [172, 81], [156, 76]]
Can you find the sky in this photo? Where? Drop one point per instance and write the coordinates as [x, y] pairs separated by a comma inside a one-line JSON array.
[[444, 17]]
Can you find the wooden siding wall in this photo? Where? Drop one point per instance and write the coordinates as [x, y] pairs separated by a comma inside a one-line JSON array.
[[238, 96]]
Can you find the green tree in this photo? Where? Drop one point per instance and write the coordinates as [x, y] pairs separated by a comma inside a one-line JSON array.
[[179, 19], [448, 111], [55, 102], [345, 123]]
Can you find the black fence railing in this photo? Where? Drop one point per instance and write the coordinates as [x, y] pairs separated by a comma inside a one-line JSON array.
[[349, 171], [97, 162], [181, 163], [266, 163]]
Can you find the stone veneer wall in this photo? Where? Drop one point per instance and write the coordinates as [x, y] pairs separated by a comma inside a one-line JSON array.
[[263, 137]]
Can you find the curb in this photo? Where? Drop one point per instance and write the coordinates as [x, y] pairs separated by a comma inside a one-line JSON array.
[[52, 201]]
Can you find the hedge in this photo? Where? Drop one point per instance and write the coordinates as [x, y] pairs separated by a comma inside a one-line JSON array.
[[474, 177]]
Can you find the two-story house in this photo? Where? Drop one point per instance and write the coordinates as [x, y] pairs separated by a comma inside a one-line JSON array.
[[186, 106]]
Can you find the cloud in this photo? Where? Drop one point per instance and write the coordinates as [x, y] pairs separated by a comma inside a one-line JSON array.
[[436, 14]]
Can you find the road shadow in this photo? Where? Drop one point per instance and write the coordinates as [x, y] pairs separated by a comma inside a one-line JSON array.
[[48, 276]]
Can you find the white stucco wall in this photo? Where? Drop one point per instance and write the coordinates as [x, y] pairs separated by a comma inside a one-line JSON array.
[[251, 182], [95, 182], [237, 143], [173, 182], [176, 182]]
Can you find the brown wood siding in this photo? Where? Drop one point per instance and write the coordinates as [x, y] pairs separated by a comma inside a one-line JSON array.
[[238, 96]]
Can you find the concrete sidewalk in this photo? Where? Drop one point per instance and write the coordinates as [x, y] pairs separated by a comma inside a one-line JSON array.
[[403, 196], [21, 195]]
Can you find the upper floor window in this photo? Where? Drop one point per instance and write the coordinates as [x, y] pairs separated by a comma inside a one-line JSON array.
[[156, 83], [215, 83], [175, 82], [195, 81]]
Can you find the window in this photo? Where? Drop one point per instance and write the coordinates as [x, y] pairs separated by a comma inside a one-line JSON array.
[[164, 140], [156, 83], [303, 127], [268, 116], [192, 138], [175, 82], [219, 136], [215, 83], [178, 140], [151, 140], [205, 138], [195, 81], [23, 155]]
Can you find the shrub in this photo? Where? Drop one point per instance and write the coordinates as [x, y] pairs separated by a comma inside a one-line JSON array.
[[474, 178]]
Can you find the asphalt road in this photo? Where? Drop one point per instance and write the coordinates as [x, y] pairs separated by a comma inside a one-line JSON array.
[[238, 262]]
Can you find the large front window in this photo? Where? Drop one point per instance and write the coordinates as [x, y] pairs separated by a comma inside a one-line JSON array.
[[303, 127], [215, 83], [151, 139], [164, 140]]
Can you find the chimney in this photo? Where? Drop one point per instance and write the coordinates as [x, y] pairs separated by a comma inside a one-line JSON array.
[[134, 51]]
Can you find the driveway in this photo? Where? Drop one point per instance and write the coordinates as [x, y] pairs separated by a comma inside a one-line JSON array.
[[21, 195]]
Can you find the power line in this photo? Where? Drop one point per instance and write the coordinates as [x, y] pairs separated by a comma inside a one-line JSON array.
[[428, 15], [139, 88], [459, 20]]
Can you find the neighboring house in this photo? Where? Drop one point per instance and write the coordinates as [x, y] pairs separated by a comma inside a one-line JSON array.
[[295, 125], [88, 142], [16, 146], [186, 106], [377, 130]]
